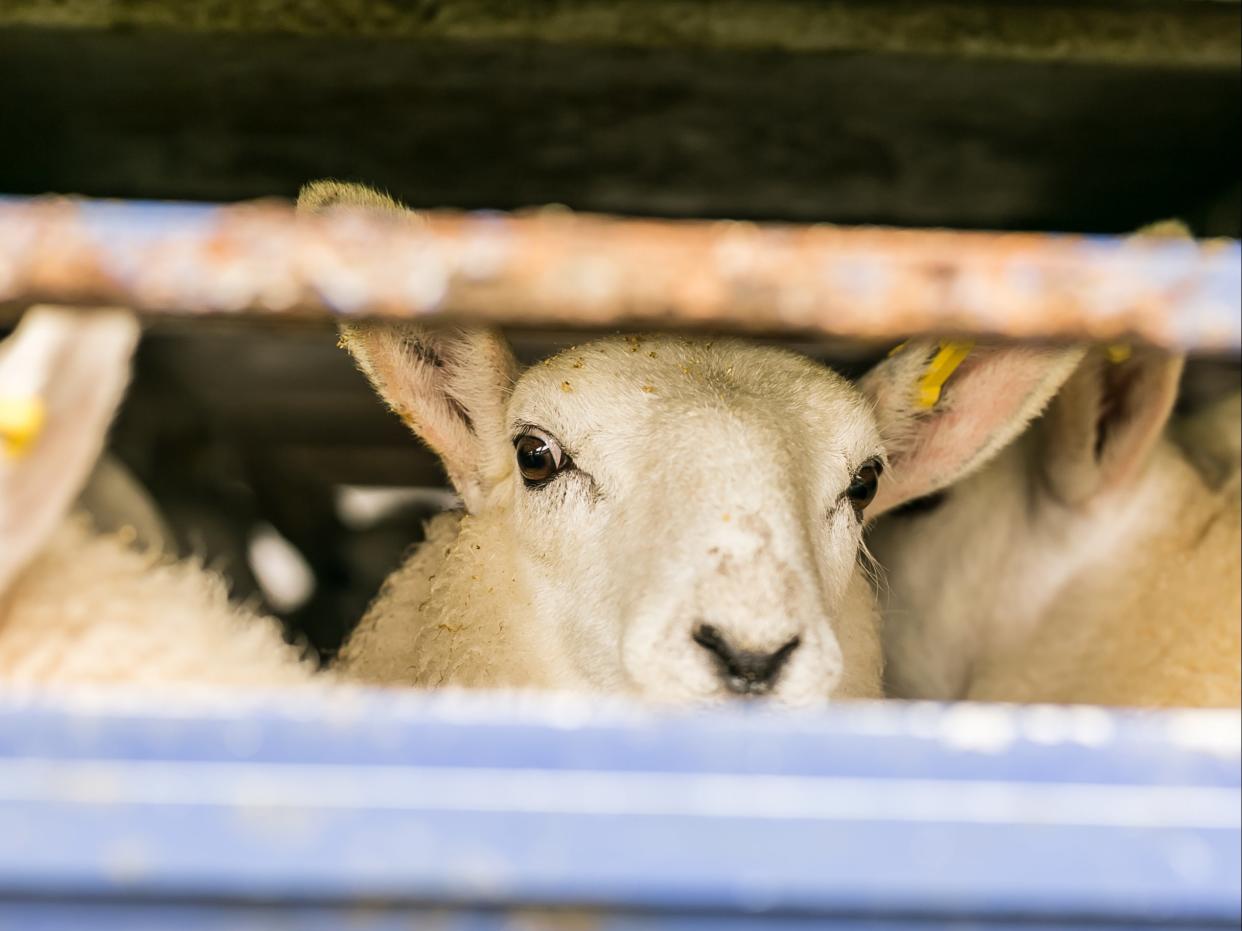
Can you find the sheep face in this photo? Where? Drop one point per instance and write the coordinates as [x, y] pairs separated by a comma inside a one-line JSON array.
[[687, 516], [674, 518]]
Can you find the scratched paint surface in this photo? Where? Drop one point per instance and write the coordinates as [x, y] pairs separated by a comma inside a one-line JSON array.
[[556, 268], [348, 804]]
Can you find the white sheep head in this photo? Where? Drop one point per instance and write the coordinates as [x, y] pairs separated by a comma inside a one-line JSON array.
[[683, 518]]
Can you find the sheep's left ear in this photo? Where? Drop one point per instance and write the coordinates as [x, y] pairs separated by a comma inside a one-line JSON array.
[[62, 377], [946, 408]]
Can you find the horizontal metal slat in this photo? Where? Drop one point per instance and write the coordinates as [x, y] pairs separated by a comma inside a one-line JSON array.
[[424, 801], [555, 268]]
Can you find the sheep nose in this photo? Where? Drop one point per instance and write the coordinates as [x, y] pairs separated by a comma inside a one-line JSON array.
[[744, 672]]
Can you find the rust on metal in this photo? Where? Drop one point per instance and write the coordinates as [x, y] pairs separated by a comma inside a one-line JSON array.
[[554, 268]]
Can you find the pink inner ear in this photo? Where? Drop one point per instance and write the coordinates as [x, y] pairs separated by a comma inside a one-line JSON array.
[[1135, 406], [1115, 403], [988, 401], [416, 390], [447, 384]]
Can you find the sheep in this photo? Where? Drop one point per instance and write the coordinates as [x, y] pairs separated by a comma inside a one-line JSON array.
[[674, 518], [1093, 561], [81, 607]]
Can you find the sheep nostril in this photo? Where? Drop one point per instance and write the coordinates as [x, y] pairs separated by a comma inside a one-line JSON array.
[[710, 639], [745, 672]]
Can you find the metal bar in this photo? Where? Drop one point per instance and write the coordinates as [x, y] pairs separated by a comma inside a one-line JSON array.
[[555, 268], [422, 801]]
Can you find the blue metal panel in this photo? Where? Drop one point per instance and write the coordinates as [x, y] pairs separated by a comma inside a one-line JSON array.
[[301, 810]]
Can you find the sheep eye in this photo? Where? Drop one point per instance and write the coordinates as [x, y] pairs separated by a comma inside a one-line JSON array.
[[862, 486], [539, 458]]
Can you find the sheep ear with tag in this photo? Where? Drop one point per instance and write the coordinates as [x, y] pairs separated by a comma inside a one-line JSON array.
[[945, 408], [63, 374]]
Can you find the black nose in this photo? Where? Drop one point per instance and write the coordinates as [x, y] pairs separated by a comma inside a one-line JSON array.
[[744, 671]]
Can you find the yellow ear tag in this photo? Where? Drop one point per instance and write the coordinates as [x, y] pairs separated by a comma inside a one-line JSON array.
[[1117, 353], [951, 355], [21, 422]]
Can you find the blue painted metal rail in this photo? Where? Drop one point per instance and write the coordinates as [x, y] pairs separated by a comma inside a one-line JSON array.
[[354, 808]]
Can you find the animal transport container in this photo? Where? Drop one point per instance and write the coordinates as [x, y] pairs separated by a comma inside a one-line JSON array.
[[361, 809], [366, 809]]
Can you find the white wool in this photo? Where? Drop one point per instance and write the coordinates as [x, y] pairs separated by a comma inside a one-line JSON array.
[[90, 609], [1098, 560], [1132, 597], [80, 607]]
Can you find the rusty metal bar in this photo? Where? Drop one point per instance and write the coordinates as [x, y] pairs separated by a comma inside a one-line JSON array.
[[556, 268]]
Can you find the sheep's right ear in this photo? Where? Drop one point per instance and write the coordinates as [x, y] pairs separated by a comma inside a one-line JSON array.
[[449, 384], [946, 408]]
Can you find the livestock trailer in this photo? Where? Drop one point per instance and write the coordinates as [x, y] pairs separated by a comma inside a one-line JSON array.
[[979, 164]]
